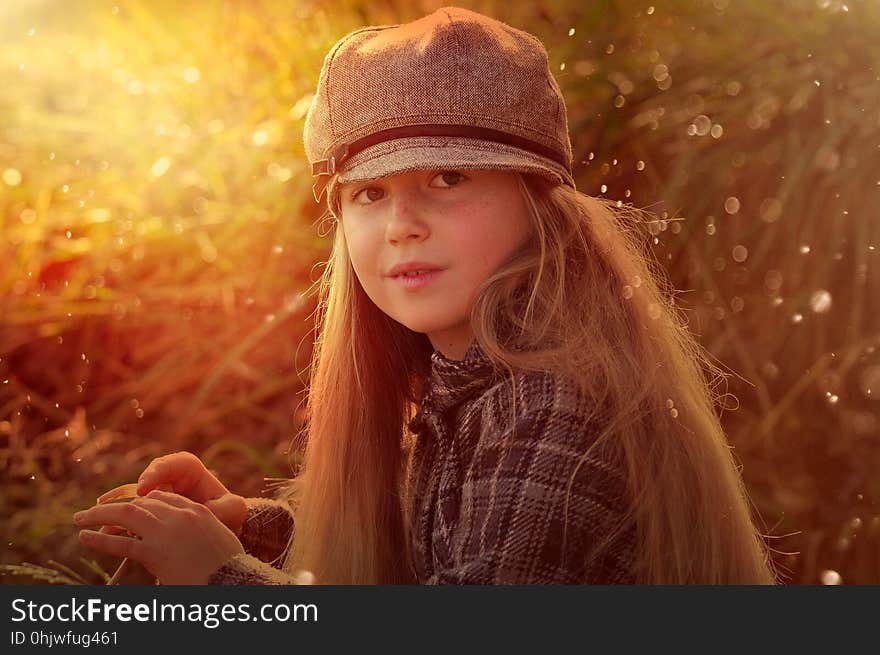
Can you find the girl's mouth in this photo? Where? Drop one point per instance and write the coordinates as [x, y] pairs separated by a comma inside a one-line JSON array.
[[417, 281]]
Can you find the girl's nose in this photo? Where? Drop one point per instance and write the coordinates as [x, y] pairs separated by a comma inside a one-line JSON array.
[[406, 219]]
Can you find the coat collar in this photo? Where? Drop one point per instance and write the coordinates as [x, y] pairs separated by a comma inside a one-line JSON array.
[[452, 381]]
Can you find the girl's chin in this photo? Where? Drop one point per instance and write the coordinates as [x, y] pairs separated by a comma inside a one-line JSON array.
[[422, 326]]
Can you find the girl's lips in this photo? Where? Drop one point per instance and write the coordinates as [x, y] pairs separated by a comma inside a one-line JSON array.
[[413, 282]]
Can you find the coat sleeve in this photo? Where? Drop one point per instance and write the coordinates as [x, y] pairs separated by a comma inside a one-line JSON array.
[[265, 534], [267, 528], [244, 569], [509, 528]]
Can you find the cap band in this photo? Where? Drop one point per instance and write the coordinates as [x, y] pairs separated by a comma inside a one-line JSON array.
[[332, 164]]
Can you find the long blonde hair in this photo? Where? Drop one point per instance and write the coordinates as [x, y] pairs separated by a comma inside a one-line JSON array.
[[586, 303]]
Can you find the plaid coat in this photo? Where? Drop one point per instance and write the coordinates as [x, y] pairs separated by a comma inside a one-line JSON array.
[[486, 502]]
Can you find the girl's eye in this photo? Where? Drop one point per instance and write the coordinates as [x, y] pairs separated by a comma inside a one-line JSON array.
[[446, 176], [365, 192], [371, 194]]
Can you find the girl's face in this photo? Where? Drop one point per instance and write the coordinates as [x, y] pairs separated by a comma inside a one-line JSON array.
[[465, 222]]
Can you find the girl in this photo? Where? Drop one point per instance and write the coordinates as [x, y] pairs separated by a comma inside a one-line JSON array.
[[501, 392]]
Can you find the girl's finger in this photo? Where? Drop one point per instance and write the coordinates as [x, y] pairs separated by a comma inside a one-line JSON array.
[[112, 545], [112, 529], [176, 500], [130, 516], [176, 471]]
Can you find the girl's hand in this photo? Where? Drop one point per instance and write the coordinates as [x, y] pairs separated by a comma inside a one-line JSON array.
[[181, 541], [184, 474]]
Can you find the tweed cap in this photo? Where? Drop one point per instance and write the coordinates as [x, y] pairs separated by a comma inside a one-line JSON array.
[[454, 89]]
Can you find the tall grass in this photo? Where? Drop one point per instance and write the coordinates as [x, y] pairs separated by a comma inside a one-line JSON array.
[[159, 238]]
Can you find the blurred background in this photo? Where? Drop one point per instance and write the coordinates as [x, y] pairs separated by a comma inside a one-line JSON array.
[[158, 240]]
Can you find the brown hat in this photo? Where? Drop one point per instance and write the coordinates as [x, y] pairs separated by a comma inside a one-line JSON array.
[[454, 89]]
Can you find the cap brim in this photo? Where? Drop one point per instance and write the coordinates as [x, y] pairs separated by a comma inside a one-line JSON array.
[[443, 153]]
